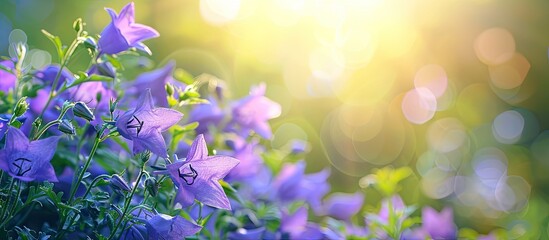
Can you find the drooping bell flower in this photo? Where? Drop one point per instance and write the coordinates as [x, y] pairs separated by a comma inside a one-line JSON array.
[[162, 226], [123, 33], [197, 177], [7, 79], [144, 124], [28, 160], [252, 113]]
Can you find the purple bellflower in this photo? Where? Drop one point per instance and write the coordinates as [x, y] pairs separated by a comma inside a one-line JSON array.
[[292, 184], [123, 33], [163, 226], [247, 234], [206, 115], [439, 225], [197, 176], [4, 120], [7, 79], [48, 73], [144, 124], [26, 160], [297, 226], [156, 80], [250, 161], [343, 206], [252, 113]]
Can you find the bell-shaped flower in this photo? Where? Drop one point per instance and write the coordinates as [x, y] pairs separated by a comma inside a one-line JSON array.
[[7, 79], [207, 115], [28, 160], [197, 177], [144, 124], [123, 33], [162, 226], [252, 113]]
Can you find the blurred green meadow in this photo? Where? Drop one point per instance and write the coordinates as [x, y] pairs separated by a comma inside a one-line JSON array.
[[454, 90]]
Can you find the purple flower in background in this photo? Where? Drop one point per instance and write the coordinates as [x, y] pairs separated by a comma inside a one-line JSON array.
[[343, 205], [197, 177], [439, 225], [7, 79], [206, 115], [4, 120], [247, 234], [297, 227], [252, 112], [144, 124], [292, 184], [163, 226], [156, 80], [123, 33], [250, 161], [88, 93], [28, 161], [48, 74]]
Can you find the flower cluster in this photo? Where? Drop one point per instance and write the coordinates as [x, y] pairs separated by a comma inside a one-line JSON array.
[[94, 154]]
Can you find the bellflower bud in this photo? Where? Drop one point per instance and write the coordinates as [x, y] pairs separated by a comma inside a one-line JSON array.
[[81, 110], [106, 69], [120, 183], [66, 127], [21, 107], [151, 186]]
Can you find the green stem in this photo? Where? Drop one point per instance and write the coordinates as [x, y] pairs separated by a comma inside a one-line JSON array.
[[7, 200], [64, 63], [93, 183], [76, 184], [127, 203]]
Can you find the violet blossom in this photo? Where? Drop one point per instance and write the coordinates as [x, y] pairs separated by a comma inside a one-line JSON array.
[[439, 225], [144, 124], [123, 33], [28, 160], [156, 80], [252, 113], [8, 79], [297, 226], [197, 177], [343, 206], [162, 226]]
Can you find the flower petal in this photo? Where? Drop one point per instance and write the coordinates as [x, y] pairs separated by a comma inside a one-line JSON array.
[[166, 118], [145, 102], [185, 198], [198, 150], [16, 140], [126, 16], [153, 142], [210, 193], [138, 32]]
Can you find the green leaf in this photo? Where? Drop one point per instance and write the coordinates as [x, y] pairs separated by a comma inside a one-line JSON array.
[[56, 42], [2, 67]]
